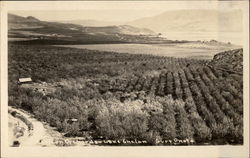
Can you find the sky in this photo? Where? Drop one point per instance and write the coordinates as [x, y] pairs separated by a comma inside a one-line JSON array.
[[122, 11]]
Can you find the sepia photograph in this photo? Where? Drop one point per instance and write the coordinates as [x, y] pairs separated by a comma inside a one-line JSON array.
[[125, 74]]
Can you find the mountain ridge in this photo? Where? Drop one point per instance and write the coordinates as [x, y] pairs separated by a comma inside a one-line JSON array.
[[32, 30], [18, 22], [192, 21], [91, 22]]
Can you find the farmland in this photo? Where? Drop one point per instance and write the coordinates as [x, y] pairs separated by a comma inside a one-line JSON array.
[[135, 97]]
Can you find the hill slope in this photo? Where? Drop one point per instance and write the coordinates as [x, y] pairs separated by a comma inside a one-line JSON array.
[[91, 23], [33, 29], [192, 20], [231, 61]]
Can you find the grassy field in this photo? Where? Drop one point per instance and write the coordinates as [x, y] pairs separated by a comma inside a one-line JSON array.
[[128, 96]]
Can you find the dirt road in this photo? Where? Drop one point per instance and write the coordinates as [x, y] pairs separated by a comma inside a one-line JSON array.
[[39, 136]]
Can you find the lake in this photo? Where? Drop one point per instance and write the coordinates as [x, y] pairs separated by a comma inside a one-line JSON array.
[[153, 49], [233, 37]]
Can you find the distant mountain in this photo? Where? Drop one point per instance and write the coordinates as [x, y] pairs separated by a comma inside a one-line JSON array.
[[122, 29], [31, 28], [193, 21], [127, 29], [105, 26], [18, 22], [19, 19], [92, 23]]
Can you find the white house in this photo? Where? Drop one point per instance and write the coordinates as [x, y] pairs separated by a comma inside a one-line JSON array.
[[24, 80]]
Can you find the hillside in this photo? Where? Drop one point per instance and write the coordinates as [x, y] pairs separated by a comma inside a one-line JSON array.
[[231, 61], [91, 23], [193, 20], [121, 29], [30, 28]]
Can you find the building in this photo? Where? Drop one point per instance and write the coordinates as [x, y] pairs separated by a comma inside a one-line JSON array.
[[24, 80], [70, 121]]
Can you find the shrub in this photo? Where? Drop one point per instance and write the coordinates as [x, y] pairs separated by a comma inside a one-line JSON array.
[[117, 120], [184, 128], [168, 112]]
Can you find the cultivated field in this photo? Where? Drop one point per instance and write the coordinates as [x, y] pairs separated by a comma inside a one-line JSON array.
[[134, 97]]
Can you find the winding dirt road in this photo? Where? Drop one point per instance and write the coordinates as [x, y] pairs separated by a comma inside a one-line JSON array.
[[39, 136]]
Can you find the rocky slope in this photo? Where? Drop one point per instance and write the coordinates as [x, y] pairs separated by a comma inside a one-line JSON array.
[[231, 61]]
